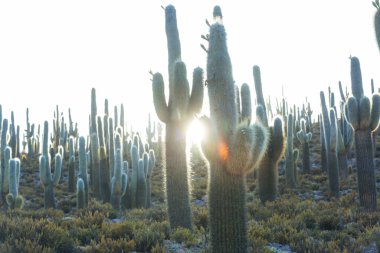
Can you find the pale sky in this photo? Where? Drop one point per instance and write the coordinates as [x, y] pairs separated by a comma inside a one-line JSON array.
[[54, 52]]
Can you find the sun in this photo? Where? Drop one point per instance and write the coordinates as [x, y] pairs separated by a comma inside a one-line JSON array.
[[195, 132]]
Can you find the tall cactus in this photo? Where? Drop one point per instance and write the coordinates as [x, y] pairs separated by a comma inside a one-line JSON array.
[[141, 190], [232, 149], [95, 165], [289, 155], [105, 181], [14, 200], [267, 169], [177, 114], [151, 165], [81, 195], [330, 139], [305, 137], [71, 165], [363, 116], [83, 168], [119, 181]]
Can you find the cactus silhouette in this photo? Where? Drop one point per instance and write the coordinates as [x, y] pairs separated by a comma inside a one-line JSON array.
[[232, 149], [177, 114], [363, 116]]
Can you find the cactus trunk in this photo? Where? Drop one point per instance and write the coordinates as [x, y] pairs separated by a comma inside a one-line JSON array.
[[49, 196], [365, 170], [177, 185], [306, 158], [227, 211]]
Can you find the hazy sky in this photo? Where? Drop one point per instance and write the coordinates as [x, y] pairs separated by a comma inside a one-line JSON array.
[[54, 52]]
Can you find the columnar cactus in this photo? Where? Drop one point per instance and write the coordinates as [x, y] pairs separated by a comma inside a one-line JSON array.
[[305, 137], [377, 21], [83, 168], [141, 184], [5, 177], [93, 126], [135, 171], [150, 131], [105, 181], [330, 139], [363, 116], [13, 136], [323, 145], [289, 164], [177, 114], [151, 165], [119, 181], [95, 166], [81, 194], [231, 149], [267, 169], [71, 165], [14, 200], [48, 180]]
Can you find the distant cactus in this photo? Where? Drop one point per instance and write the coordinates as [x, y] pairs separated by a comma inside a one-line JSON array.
[[93, 126], [177, 114], [135, 172], [267, 169], [150, 131], [71, 165], [232, 149], [305, 137], [141, 185], [81, 195], [151, 165], [105, 181], [363, 116], [95, 166], [119, 182], [83, 167], [330, 140], [14, 200], [289, 164]]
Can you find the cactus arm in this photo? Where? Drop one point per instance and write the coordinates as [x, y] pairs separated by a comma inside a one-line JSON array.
[[246, 107], [375, 112], [159, 99], [259, 92], [197, 91]]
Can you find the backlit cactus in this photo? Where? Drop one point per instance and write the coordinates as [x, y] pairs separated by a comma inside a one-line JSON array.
[[71, 165], [305, 137], [14, 200], [231, 149], [267, 169], [363, 115], [289, 164], [119, 181], [81, 195], [83, 168], [177, 114]]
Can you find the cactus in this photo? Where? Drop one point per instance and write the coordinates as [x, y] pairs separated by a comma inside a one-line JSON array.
[[141, 190], [377, 21], [95, 166], [151, 165], [118, 182], [71, 165], [305, 137], [81, 195], [231, 149], [111, 150], [105, 187], [330, 140], [5, 174], [48, 180], [289, 164], [14, 200], [93, 126], [267, 170], [363, 115], [135, 171], [83, 168], [13, 137], [150, 131], [177, 114]]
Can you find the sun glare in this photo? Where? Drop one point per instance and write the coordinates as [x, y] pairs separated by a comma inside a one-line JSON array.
[[195, 132]]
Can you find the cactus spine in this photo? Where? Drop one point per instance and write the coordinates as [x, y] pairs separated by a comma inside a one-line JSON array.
[[267, 170], [363, 116], [231, 149], [177, 114]]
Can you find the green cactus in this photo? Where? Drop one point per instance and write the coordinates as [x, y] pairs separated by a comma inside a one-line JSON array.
[[330, 139], [95, 166], [14, 200], [363, 115], [135, 172], [267, 169], [151, 165], [111, 150], [105, 187], [83, 168], [93, 126], [323, 145], [141, 190], [118, 183], [71, 165], [305, 137], [177, 114], [81, 195], [289, 164], [231, 149], [49, 181]]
